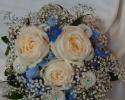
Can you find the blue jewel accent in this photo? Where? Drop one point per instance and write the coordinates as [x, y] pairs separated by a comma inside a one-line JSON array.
[[52, 21], [70, 94], [54, 32], [32, 73]]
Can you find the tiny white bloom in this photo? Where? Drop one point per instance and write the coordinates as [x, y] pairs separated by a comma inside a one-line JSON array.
[[31, 45], [58, 73], [88, 79], [18, 66]]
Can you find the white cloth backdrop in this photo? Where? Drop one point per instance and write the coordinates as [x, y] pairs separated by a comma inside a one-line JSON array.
[[112, 12]]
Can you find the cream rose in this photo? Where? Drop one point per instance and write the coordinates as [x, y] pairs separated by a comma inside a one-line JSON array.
[[58, 73], [74, 44], [31, 45]]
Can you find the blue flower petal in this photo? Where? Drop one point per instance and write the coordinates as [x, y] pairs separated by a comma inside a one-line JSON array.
[[95, 34], [54, 32], [45, 61], [99, 45], [51, 56], [99, 48], [96, 39], [70, 94], [101, 53], [32, 73]]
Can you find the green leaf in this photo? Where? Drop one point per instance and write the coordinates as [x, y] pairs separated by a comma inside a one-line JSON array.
[[27, 21], [14, 95], [13, 81], [77, 21], [7, 51], [113, 77], [8, 71], [5, 39]]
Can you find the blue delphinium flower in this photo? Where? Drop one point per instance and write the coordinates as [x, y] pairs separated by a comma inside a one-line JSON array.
[[100, 52], [45, 61], [95, 34], [99, 48], [70, 94], [95, 38], [33, 73], [54, 30]]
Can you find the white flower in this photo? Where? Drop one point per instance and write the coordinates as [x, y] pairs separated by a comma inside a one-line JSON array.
[[19, 67], [74, 44], [88, 79], [58, 74], [32, 45]]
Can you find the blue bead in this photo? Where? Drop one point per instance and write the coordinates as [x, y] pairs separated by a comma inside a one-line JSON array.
[[32, 73]]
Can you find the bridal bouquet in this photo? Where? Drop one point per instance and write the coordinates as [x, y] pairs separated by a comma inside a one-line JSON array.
[[56, 55]]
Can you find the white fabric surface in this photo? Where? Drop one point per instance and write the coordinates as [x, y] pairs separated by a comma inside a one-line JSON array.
[[112, 12]]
